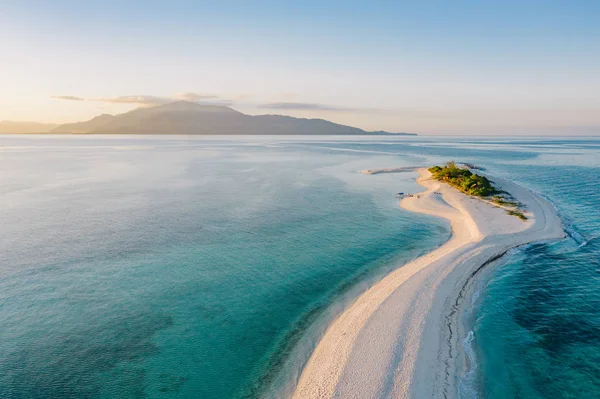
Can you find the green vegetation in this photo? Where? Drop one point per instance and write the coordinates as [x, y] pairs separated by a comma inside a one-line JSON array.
[[464, 180], [502, 201], [476, 185], [518, 214]]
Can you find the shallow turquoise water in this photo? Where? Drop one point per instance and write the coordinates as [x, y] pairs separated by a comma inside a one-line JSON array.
[[169, 268], [192, 267]]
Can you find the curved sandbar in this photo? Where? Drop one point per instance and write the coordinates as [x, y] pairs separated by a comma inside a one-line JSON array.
[[399, 338], [389, 170]]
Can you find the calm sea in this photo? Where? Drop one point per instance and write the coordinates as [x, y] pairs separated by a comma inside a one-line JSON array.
[[188, 267]]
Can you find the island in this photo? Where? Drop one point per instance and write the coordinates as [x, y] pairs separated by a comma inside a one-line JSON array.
[[478, 186], [403, 336], [191, 118]]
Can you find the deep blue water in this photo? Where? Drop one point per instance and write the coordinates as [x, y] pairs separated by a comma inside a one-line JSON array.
[[537, 328], [183, 267]]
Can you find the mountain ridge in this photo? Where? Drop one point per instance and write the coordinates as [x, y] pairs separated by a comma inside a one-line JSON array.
[[190, 118]]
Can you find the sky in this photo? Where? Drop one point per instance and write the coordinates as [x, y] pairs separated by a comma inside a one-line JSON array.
[[430, 67]]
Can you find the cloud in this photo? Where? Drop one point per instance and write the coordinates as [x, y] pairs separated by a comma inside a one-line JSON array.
[[138, 100], [194, 96], [149, 101], [70, 98], [298, 106], [223, 102], [242, 97], [293, 106]]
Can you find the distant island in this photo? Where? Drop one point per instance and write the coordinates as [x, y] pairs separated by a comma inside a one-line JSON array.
[[185, 117], [11, 127]]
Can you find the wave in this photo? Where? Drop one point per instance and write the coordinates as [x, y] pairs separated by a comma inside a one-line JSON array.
[[568, 226], [591, 240], [468, 384], [572, 232], [467, 387]]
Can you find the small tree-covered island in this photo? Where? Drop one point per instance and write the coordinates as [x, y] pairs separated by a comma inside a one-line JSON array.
[[476, 185]]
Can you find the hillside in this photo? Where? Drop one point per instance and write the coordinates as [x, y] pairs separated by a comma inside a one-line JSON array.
[[85, 127]]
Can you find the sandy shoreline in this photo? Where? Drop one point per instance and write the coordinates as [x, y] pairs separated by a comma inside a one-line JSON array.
[[401, 338]]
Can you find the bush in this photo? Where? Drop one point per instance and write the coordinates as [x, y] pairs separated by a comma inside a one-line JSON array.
[[518, 214], [464, 180]]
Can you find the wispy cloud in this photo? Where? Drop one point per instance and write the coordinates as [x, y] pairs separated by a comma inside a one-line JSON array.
[[294, 106], [138, 100], [212, 99], [149, 101], [70, 98], [195, 96], [242, 97], [301, 106]]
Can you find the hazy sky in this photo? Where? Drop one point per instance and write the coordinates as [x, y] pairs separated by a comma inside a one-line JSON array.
[[439, 67]]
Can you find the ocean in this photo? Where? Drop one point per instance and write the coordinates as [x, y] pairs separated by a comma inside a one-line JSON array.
[[203, 267]]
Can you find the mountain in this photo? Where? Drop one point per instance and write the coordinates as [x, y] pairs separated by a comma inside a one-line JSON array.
[[184, 117], [11, 127], [85, 127]]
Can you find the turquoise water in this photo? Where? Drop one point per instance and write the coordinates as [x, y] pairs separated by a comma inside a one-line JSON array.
[[536, 330], [538, 325], [184, 268], [167, 267]]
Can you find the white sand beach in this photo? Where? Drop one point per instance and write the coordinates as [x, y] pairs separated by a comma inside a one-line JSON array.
[[388, 170], [401, 338]]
